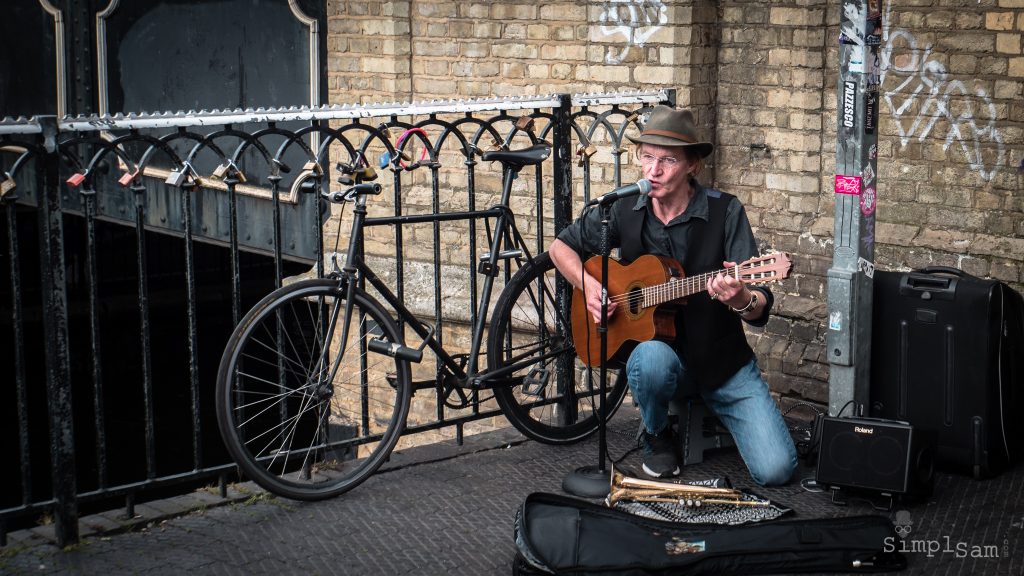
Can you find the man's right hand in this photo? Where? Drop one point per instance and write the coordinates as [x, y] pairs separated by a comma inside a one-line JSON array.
[[570, 266], [592, 291]]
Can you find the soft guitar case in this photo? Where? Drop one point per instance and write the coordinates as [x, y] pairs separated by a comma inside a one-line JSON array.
[[557, 534]]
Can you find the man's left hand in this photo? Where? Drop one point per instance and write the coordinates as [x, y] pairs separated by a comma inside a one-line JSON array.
[[728, 290]]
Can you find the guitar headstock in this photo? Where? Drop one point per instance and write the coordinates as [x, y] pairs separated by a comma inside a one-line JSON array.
[[768, 268]]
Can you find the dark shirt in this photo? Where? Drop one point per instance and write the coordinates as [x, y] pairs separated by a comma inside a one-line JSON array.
[[670, 239]]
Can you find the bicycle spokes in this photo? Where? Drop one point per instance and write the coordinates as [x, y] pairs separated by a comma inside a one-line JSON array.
[[547, 396], [308, 417]]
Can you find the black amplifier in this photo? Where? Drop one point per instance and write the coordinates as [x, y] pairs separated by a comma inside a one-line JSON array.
[[886, 457]]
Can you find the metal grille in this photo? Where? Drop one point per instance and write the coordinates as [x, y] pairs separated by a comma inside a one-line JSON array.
[[155, 232]]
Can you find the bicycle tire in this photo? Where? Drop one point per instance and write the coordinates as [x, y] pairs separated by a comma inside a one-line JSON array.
[[528, 330], [290, 426]]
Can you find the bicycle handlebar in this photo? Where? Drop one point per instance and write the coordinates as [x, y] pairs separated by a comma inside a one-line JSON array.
[[351, 193]]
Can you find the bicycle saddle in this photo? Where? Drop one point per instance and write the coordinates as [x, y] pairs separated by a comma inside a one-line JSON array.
[[518, 158]]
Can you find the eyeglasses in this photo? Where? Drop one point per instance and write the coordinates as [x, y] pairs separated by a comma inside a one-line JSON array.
[[650, 159]]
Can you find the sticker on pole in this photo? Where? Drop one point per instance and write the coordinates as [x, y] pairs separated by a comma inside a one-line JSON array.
[[847, 184], [835, 320], [849, 108], [867, 201], [865, 266], [856, 60]]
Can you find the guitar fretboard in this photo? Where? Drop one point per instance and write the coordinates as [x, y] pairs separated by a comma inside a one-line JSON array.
[[677, 288]]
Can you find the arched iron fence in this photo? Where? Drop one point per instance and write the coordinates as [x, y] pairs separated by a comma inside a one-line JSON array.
[[156, 229]]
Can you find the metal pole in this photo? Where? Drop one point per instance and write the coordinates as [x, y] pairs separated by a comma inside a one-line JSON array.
[[55, 322], [562, 211], [850, 277]]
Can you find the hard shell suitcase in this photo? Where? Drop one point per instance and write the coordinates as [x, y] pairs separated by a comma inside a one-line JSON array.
[[948, 356]]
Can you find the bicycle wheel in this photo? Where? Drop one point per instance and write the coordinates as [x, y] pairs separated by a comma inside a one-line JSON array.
[[302, 418], [551, 396]]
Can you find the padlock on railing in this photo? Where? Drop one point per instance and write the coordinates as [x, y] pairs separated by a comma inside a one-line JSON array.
[[386, 159], [525, 123], [228, 168], [177, 177], [221, 171], [180, 176], [366, 174], [7, 185], [584, 151], [127, 177], [76, 179]]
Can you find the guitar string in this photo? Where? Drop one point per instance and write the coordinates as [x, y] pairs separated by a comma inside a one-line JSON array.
[[670, 290], [689, 285]]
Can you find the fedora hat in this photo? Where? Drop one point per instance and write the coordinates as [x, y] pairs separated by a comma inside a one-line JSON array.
[[667, 126]]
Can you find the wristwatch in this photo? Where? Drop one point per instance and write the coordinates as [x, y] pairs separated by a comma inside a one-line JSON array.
[[750, 305]]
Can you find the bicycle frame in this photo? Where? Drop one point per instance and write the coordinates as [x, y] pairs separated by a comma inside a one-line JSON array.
[[504, 235]]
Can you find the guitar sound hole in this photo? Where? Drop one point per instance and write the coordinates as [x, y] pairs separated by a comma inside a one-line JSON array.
[[635, 301]]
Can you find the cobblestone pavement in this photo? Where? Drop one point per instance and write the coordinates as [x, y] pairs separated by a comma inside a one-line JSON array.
[[449, 510]]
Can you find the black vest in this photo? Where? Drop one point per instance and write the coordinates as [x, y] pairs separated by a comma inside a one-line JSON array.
[[709, 336]]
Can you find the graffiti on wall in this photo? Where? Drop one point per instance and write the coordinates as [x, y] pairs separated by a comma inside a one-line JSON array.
[[923, 95], [634, 20]]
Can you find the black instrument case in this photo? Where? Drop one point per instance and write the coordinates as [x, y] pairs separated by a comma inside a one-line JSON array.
[[948, 356]]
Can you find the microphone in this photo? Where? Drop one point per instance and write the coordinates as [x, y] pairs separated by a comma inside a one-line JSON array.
[[640, 187]]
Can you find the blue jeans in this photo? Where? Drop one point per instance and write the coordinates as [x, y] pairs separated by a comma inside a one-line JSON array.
[[743, 404]]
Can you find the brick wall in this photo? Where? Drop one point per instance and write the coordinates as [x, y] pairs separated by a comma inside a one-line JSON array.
[[772, 148], [762, 78]]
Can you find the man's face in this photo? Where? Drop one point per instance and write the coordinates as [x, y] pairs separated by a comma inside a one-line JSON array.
[[667, 168]]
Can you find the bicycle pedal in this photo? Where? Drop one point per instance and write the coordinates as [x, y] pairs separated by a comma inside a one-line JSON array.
[[536, 381]]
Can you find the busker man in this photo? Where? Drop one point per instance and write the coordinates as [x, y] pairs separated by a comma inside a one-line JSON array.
[[704, 230]]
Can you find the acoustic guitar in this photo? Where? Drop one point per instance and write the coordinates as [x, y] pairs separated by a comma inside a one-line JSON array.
[[641, 288]]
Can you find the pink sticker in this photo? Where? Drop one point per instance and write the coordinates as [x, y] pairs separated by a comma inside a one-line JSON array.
[[867, 201], [847, 184]]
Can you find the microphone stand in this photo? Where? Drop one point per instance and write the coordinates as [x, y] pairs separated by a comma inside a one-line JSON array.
[[591, 481]]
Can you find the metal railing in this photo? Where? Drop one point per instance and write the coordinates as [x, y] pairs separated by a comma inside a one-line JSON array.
[[156, 232]]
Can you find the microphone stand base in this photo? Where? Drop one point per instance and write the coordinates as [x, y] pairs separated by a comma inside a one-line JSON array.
[[588, 482]]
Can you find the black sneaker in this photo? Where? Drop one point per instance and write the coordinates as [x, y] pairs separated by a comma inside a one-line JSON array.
[[660, 454]]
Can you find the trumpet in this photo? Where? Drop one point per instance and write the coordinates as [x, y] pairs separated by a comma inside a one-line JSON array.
[[637, 490]]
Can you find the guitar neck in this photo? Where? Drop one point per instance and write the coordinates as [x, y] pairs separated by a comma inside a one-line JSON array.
[[677, 288], [758, 270]]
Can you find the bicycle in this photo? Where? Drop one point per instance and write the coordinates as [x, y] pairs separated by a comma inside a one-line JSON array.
[[314, 386]]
